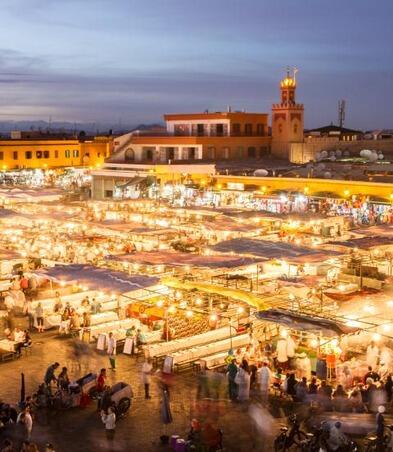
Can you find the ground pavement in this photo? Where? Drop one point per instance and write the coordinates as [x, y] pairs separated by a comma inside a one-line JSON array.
[[81, 429]]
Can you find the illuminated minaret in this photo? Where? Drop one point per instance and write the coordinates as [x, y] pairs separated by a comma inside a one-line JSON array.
[[287, 119]]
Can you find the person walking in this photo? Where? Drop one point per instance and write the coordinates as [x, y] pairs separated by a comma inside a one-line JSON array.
[[243, 381], [146, 376], [109, 421], [28, 311], [39, 314], [232, 372], [111, 351], [26, 419]]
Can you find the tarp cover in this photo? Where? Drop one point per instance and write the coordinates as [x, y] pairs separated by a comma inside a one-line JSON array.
[[98, 278], [175, 259], [303, 322], [272, 250], [378, 230], [366, 243]]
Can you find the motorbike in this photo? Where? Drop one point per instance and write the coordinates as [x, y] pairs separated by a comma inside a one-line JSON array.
[[317, 441], [371, 441], [289, 436]]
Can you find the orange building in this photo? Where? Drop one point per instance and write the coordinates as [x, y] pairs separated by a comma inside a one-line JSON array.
[[50, 152], [198, 136]]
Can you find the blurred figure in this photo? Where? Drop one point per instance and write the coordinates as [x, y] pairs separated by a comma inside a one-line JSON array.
[[111, 351], [243, 381], [380, 428], [264, 380], [146, 376], [337, 439], [232, 385], [372, 355]]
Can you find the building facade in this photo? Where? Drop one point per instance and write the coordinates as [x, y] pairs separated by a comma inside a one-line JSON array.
[[53, 153], [199, 136]]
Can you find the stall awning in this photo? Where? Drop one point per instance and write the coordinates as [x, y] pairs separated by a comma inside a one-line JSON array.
[[131, 182], [236, 294], [176, 259], [378, 230], [98, 278], [303, 322], [272, 250], [365, 243]]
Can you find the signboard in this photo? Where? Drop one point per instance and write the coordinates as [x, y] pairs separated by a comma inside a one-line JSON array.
[[235, 186]]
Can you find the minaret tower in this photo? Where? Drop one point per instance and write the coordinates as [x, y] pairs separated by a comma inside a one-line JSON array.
[[287, 119]]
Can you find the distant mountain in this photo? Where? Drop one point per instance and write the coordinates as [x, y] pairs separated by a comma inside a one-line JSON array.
[[91, 128], [147, 127]]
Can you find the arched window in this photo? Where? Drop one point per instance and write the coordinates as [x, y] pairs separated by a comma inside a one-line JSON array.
[[129, 155], [295, 128], [280, 128]]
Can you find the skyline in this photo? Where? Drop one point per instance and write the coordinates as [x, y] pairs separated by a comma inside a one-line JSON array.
[[80, 61]]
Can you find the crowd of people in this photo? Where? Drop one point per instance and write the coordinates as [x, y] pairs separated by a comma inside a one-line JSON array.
[[16, 425]]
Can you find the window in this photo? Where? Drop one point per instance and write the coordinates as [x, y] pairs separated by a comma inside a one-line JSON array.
[[67, 153], [170, 153], [200, 129], [261, 130], [56, 154], [1, 155], [211, 152], [248, 129], [75, 153], [28, 155], [129, 155], [46, 154], [252, 152], [108, 193], [191, 153], [38, 154], [295, 128], [220, 130], [15, 155], [236, 129], [264, 151]]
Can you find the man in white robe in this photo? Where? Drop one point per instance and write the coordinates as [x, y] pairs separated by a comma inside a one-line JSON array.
[[372, 355]]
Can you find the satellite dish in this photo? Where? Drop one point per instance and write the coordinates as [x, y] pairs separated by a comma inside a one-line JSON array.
[[261, 172]]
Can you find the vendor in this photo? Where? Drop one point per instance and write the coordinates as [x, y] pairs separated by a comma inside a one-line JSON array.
[[58, 306], [75, 321], [140, 338], [86, 302], [86, 319], [19, 338]]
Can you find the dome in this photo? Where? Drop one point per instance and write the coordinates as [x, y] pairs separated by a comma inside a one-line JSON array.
[[288, 82]]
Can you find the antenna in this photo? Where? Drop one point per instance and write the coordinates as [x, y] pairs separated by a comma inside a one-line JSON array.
[[341, 112]]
